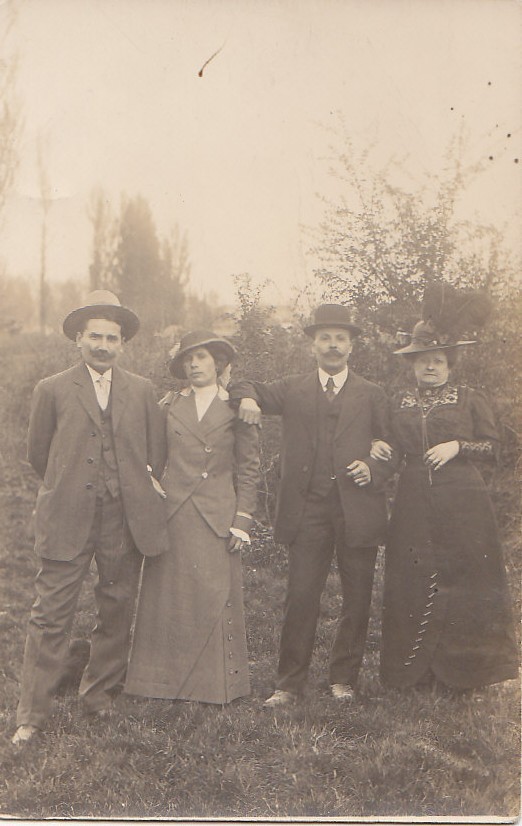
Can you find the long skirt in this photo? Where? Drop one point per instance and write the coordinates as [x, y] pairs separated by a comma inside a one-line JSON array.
[[447, 608], [189, 638]]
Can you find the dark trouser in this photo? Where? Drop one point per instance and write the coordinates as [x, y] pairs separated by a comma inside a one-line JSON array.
[[310, 555], [58, 586]]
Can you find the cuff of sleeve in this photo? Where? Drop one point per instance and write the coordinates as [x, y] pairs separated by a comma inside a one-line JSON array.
[[240, 535], [242, 522]]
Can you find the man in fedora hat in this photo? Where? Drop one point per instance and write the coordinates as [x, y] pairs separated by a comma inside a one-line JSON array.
[[96, 435], [330, 498]]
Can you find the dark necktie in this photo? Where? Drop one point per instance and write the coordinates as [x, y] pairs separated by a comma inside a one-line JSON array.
[[330, 395]]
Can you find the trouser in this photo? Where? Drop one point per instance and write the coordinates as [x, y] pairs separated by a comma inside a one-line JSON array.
[[58, 586], [322, 531]]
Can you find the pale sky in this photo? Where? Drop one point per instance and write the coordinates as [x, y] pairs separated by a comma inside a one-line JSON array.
[[236, 158]]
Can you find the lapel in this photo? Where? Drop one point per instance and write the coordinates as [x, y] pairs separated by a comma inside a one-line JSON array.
[[184, 410], [308, 393], [119, 395], [217, 415], [351, 402], [86, 393]]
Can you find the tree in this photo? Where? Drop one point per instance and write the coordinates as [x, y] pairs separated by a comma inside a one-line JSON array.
[[381, 244], [101, 268], [10, 119], [147, 272]]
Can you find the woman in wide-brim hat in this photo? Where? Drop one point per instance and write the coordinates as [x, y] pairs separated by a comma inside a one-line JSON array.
[[190, 639], [447, 613]]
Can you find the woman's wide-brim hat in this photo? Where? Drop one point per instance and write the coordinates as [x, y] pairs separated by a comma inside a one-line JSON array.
[[424, 338], [332, 315], [102, 304], [197, 338]]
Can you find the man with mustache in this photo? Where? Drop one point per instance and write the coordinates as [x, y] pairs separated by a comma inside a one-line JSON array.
[[96, 436], [330, 498]]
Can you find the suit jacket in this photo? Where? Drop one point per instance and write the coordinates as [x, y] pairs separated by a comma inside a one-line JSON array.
[[364, 416], [64, 448], [215, 461]]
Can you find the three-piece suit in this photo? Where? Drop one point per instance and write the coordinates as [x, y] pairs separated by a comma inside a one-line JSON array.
[[319, 509], [96, 499]]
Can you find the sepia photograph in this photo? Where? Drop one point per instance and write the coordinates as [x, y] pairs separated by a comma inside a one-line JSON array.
[[260, 454]]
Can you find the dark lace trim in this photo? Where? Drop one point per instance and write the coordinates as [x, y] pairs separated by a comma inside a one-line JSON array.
[[430, 397], [479, 449]]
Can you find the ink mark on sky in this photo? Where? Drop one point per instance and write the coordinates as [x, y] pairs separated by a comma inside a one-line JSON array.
[[200, 73]]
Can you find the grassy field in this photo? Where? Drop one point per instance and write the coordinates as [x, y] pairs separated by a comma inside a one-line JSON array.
[[415, 753]]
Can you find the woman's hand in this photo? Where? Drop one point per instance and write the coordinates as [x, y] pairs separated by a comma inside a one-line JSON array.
[[381, 450], [437, 456]]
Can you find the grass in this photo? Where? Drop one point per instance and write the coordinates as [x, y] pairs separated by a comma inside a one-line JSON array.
[[412, 753]]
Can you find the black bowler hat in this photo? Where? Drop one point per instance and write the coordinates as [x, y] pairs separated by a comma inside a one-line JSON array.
[[197, 338], [332, 315]]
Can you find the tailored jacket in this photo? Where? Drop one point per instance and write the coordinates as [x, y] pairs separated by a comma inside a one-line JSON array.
[[364, 416], [201, 468], [65, 448]]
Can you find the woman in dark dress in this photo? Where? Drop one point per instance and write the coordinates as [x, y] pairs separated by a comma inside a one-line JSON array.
[[447, 610]]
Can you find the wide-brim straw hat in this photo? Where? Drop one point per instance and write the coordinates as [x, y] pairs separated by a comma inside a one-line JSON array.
[[332, 315], [424, 337], [197, 338], [99, 304]]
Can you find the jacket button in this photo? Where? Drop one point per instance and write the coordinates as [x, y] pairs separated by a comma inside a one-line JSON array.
[[90, 460], [229, 604], [89, 486], [204, 474], [93, 434], [208, 449]]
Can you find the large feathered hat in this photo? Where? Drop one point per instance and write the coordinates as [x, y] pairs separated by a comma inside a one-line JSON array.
[[447, 315]]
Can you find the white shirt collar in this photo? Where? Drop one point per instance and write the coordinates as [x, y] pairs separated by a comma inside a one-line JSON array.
[[339, 378], [95, 375]]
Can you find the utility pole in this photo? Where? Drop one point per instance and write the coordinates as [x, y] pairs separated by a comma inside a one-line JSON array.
[[46, 203]]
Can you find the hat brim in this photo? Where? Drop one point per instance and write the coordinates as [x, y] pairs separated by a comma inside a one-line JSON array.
[[176, 363], [425, 348], [127, 319], [313, 328]]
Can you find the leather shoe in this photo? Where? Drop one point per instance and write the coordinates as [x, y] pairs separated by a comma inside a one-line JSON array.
[[24, 734], [342, 692], [280, 698]]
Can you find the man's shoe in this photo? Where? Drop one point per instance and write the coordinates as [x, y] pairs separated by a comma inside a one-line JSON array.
[[24, 734], [342, 692], [280, 698]]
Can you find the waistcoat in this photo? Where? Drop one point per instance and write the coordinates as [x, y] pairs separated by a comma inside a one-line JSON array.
[[108, 478], [327, 418]]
